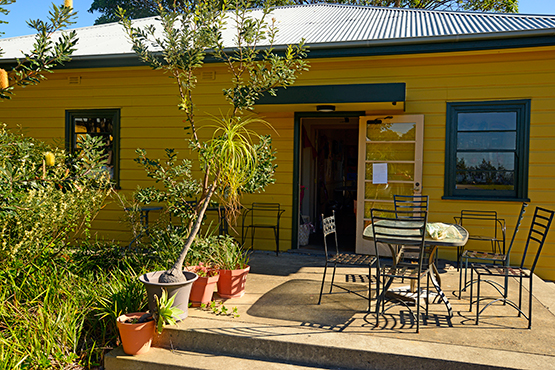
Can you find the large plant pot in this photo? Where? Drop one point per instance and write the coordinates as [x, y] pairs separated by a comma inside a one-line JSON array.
[[203, 288], [135, 338], [231, 283], [181, 291]]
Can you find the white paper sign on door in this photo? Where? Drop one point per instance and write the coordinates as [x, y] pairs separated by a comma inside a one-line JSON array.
[[379, 173]]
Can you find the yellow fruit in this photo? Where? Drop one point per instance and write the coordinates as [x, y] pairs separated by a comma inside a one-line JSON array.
[[4, 82], [50, 159]]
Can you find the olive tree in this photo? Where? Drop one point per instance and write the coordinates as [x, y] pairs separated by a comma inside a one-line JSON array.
[[230, 161]]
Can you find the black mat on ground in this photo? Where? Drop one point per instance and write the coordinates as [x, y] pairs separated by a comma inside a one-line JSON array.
[[296, 300]]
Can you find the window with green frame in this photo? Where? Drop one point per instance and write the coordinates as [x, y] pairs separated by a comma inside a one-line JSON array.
[[486, 150], [96, 122]]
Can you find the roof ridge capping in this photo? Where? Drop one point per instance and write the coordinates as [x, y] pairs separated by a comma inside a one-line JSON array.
[[393, 9]]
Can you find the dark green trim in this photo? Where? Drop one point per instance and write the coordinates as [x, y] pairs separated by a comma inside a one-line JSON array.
[[326, 94], [499, 199], [426, 46], [522, 109], [114, 114], [297, 160]]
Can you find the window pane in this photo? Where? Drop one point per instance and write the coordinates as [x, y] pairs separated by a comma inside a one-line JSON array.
[[386, 191], [486, 140], [487, 121], [391, 132], [485, 180], [369, 205], [390, 152], [485, 161]]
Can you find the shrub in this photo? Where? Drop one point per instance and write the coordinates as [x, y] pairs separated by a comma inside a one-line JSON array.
[[47, 196]]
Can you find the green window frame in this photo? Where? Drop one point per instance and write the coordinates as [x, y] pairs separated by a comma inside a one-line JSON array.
[[97, 122], [486, 150]]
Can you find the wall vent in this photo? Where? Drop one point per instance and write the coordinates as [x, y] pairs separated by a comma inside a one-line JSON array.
[[208, 75], [74, 80]]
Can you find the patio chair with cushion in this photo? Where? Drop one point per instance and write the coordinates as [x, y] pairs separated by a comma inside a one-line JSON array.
[[403, 229], [487, 257], [539, 228], [343, 259]]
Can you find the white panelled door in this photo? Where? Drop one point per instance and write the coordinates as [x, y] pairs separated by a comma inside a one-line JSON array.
[[389, 163]]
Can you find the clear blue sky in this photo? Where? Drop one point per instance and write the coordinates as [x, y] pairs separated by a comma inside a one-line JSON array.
[[23, 10]]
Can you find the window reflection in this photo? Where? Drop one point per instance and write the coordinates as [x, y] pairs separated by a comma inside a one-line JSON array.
[[97, 126], [486, 121]]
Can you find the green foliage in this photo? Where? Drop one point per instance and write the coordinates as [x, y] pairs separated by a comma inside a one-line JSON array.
[[218, 308], [46, 53], [231, 162], [503, 6], [165, 313], [41, 206], [256, 70], [179, 186], [4, 11], [59, 311], [227, 254], [141, 9]]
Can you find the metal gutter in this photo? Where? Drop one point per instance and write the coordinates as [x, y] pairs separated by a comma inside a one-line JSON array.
[[357, 48]]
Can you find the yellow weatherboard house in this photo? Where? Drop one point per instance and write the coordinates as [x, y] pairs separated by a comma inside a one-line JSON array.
[[459, 106]]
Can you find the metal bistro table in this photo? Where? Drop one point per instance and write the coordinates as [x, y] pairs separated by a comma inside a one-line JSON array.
[[433, 244]]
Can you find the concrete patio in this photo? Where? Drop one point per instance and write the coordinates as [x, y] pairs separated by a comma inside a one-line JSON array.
[[280, 326]]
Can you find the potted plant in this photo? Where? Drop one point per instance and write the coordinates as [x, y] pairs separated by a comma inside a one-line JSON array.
[[136, 329], [233, 265], [231, 164], [203, 288]]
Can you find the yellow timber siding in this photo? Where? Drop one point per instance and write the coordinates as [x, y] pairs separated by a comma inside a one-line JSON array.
[[150, 119]]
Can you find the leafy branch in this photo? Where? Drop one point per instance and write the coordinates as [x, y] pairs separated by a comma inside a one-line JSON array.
[[46, 54]]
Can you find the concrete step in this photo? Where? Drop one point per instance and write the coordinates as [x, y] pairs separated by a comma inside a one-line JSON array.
[[198, 343], [164, 359]]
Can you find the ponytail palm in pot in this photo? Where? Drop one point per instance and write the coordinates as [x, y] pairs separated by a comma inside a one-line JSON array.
[[235, 159]]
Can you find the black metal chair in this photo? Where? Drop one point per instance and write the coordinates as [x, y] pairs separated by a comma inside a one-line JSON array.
[[539, 228], [346, 259], [483, 226], [415, 203], [488, 257], [262, 216], [405, 229]]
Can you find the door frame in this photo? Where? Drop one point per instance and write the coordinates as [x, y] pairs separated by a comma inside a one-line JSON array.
[[297, 164]]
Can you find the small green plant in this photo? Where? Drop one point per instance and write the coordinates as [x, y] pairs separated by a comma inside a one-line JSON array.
[[165, 313], [218, 308], [227, 254]]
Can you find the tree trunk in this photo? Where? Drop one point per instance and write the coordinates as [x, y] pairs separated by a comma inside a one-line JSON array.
[[175, 274]]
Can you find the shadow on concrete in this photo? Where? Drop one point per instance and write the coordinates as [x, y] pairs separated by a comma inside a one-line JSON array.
[[296, 300]]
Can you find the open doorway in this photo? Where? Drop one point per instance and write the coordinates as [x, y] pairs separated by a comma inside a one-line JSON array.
[[328, 178]]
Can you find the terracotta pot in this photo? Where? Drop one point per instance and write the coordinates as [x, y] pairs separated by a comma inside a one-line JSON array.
[[232, 283], [135, 338], [181, 291], [203, 288]]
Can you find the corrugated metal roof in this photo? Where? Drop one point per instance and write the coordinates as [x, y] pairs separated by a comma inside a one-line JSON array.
[[323, 25]]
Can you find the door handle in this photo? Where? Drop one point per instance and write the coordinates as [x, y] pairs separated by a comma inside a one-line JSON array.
[[417, 188]]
